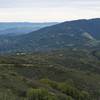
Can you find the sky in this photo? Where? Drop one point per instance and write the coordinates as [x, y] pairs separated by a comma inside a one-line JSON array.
[[48, 10]]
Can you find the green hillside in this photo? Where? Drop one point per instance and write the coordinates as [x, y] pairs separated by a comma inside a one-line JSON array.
[[78, 33], [69, 74]]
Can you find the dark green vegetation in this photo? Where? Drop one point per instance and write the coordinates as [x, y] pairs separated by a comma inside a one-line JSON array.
[[69, 74], [79, 33]]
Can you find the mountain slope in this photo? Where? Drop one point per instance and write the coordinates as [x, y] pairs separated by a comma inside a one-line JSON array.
[[78, 33], [19, 28]]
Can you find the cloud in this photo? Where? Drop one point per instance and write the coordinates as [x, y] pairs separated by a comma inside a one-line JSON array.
[[48, 10], [47, 3]]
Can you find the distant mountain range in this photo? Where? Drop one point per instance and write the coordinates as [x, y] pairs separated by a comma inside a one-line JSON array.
[[19, 28], [77, 33]]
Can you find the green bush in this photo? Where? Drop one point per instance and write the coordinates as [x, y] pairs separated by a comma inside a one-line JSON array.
[[73, 92], [52, 84], [40, 94]]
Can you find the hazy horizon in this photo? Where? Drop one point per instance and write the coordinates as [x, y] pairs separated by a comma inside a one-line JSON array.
[[47, 21], [48, 10]]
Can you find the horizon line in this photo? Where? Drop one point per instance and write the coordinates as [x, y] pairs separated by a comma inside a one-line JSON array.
[[49, 21]]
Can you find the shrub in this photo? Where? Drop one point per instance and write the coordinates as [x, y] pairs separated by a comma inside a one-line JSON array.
[[40, 94]]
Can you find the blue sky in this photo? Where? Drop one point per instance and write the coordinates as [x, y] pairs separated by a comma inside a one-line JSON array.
[[48, 10]]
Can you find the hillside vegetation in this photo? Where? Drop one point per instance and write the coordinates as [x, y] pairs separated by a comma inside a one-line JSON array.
[[68, 74], [78, 33]]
